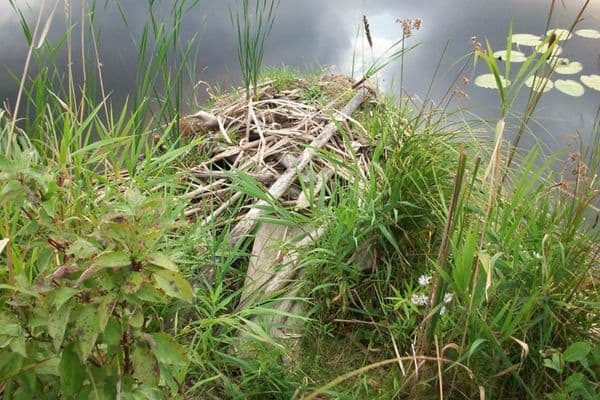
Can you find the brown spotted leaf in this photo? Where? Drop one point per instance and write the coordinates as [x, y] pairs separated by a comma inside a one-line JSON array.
[[170, 354], [134, 282], [145, 366], [105, 309], [86, 329], [57, 324], [174, 285], [161, 260]]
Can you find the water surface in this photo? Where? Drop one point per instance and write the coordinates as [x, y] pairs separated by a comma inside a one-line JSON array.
[[316, 33]]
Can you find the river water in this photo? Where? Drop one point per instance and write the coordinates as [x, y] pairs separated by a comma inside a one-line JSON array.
[[316, 33]]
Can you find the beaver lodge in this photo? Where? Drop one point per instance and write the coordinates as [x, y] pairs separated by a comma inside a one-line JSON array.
[[291, 142]]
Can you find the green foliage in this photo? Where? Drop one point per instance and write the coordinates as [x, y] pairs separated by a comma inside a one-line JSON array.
[[84, 318], [252, 27], [86, 271], [577, 368], [94, 291]]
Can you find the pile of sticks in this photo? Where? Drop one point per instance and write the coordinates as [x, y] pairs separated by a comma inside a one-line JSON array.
[[286, 143], [279, 140]]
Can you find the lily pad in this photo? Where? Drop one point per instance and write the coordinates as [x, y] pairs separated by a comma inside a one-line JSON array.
[[566, 67], [544, 48], [539, 84], [561, 34], [515, 56], [570, 87], [526, 39], [591, 81], [588, 33], [488, 81]]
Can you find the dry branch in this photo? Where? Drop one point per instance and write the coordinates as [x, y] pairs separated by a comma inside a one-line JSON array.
[[282, 184]]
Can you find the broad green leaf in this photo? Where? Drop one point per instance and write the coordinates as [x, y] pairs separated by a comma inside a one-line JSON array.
[[570, 87], [591, 81], [10, 364], [526, 39], [49, 367], [82, 249], [161, 260], [12, 191], [60, 296], [49, 206], [577, 352], [174, 285], [148, 393], [57, 324], [9, 326], [488, 81], [171, 355], [19, 289], [167, 350], [134, 282], [71, 371], [151, 294], [145, 366], [136, 319], [105, 309], [566, 67], [588, 33], [113, 259], [112, 333], [19, 345], [86, 330], [553, 363]]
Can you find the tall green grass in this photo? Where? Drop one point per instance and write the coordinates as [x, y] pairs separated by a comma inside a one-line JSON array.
[[252, 27], [519, 262]]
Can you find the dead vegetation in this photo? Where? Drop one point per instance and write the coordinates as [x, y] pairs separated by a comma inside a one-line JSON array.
[[292, 145]]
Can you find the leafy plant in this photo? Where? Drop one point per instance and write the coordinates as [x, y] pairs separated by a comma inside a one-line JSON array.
[[80, 316], [580, 363]]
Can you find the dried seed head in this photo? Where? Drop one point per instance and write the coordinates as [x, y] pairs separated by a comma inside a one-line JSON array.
[[368, 31], [417, 23], [461, 93]]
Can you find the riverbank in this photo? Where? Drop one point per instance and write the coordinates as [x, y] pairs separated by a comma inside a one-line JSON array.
[[390, 263]]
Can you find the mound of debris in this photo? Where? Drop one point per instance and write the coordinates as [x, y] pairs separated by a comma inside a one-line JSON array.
[[284, 140]]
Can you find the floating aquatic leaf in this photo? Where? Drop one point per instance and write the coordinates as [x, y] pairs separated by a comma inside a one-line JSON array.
[[488, 81], [526, 39], [566, 67], [591, 81], [539, 84], [515, 56], [570, 87], [588, 33], [544, 48], [561, 34]]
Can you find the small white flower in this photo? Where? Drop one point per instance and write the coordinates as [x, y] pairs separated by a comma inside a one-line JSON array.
[[419, 299], [443, 310], [448, 297], [424, 280], [537, 255]]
